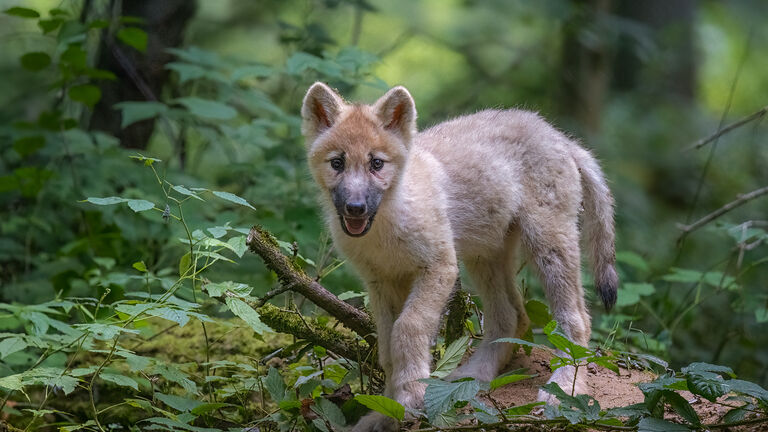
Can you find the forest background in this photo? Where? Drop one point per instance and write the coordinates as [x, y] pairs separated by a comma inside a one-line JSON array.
[[114, 114]]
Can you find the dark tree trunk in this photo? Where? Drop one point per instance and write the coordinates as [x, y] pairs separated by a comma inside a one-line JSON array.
[[585, 57], [141, 76], [672, 64]]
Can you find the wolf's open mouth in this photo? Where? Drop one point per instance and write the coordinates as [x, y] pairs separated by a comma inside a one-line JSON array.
[[356, 226]]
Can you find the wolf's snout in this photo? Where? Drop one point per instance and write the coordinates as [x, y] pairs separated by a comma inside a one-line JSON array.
[[356, 209]]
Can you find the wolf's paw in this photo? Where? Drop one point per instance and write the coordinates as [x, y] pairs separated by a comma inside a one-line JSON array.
[[376, 422]]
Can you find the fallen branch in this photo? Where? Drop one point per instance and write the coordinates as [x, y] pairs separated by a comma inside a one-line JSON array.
[[742, 199], [742, 121], [291, 276], [307, 329]]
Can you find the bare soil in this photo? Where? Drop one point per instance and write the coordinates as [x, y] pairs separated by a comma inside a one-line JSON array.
[[610, 390]]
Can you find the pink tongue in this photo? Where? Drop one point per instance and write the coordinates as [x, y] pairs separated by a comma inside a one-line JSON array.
[[355, 226]]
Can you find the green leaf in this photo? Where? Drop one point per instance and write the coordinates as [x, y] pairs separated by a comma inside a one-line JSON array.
[[508, 379], [140, 266], [441, 395], [106, 201], [120, 380], [253, 71], [538, 312], [133, 37], [383, 405], [12, 382], [35, 61], [184, 191], [22, 12], [88, 94], [185, 263], [233, 198], [27, 145], [238, 245], [329, 411], [49, 25], [632, 259], [171, 314], [133, 112], [451, 358], [11, 345], [140, 205], [207, 108], [275, 385], [209, 407], [606, 362], [523, 409], [749, 389], [651, 424], [173, 374], [734, 415], [521, 342], [709, 389], [234, 288], [630, 293], [682, 407], [178, 403], [75, 57], [707, 367], [561, 342], [247, 314]]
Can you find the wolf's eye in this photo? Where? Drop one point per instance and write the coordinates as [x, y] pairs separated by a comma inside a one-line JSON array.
[[337, 164], [377, 164]]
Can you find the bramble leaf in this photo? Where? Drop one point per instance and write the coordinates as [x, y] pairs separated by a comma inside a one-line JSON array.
[[382, 404]]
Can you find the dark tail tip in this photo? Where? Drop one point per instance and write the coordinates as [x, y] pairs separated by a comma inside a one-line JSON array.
[[607, 287]]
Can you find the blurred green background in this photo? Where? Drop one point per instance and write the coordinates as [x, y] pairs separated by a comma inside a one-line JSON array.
[[637, 82]]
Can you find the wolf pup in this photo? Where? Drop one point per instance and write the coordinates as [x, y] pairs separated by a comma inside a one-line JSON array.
[[405, 206]]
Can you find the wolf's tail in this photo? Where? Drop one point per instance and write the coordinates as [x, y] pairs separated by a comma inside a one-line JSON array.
[[598, 225]]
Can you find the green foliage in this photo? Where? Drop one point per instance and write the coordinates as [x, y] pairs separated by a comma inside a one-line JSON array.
[[114, 318], [382, 404]]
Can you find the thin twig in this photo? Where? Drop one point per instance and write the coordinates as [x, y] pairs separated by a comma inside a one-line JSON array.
[[273, 293], [741, 200], [725, 129]]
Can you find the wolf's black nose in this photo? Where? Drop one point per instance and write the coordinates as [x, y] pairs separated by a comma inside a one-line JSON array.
[[355, 209]]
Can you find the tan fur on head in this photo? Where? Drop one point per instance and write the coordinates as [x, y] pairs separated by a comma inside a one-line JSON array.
[[320, 110], [397, 112], [406, 206]]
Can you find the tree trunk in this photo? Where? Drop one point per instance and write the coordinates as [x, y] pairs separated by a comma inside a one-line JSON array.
[[669, 24], [585, 64], [140, 76]]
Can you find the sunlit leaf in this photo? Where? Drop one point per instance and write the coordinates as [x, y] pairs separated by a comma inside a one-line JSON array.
[[233, 198], [22, 12], [453, 354], [383, 405], [133, 37], [88, 94]]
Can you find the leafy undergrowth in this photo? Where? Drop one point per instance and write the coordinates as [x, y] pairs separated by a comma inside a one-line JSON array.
[[146, 365]]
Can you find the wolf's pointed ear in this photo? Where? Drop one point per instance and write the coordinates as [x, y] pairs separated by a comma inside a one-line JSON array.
[[320, 110], [397, 112]]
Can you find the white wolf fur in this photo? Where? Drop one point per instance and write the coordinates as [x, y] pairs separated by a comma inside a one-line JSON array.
[[474, 189]]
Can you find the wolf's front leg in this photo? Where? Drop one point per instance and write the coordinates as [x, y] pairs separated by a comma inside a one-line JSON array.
[[414, 329]]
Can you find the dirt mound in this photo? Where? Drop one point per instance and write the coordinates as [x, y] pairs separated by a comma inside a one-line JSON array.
[[610, 390]]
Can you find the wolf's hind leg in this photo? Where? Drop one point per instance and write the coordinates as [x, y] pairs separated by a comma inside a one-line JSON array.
[[505, 316], [554, 248]]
